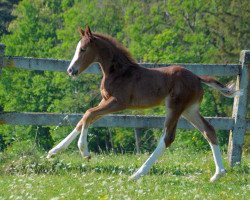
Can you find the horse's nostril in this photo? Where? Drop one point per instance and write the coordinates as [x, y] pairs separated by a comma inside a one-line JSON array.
[[70, 70]]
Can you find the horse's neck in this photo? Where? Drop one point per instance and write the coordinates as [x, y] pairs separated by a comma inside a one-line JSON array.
[[114, 59], [117, 67]]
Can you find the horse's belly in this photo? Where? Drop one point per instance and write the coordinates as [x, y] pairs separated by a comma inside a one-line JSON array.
[[146, 102]]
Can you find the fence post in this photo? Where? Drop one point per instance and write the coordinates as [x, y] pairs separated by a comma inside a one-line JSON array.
[[138, 133], [236, 137]]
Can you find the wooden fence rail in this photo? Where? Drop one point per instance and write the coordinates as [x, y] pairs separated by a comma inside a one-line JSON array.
[[238, 124], [61, 66], [128, 121]]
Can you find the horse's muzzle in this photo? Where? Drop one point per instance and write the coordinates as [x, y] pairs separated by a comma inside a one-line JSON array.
[[72, 72]]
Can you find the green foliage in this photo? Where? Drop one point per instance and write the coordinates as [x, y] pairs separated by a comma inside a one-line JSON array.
[[102, 16], [6, 17], [154, 31], [33, 31]]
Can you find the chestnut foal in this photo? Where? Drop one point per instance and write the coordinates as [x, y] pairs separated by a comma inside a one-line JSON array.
[[126, 85]]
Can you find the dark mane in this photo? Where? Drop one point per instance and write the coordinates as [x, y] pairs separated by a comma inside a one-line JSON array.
[[122, 55]]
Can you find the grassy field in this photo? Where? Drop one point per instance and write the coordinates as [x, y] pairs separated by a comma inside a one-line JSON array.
[[179, 174]]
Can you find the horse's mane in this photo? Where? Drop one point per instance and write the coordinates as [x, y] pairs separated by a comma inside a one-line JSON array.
[[122, 54]]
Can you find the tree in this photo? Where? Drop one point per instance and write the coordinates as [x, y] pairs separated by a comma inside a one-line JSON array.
[[154, 31], [6, 16], [33, 36]]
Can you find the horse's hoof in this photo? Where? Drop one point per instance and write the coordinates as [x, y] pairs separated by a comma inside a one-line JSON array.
[[217, 176], [87, 157], [134, 177], [131, 178], [50, 155]]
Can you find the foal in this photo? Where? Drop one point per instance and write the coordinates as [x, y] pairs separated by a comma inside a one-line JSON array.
[[126, 85]]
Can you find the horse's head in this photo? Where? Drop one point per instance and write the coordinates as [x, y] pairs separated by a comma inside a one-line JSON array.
[[85, 53]]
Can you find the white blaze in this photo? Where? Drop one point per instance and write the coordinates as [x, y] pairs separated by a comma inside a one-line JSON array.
[[76, 56]]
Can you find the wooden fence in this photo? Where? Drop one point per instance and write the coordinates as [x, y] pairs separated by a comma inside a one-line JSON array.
[[238, 124]]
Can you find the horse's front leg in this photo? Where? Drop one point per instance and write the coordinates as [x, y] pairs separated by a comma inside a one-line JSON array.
[[83, 125], [64, 143], [83, 144], [82, 141], [105, 107]]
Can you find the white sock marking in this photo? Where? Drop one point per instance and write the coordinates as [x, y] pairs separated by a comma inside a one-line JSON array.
[[82, 143], [151, 160], [64, 143], [220, 170]]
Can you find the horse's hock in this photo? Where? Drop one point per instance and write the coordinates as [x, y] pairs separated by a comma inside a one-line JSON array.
[[238, 124]]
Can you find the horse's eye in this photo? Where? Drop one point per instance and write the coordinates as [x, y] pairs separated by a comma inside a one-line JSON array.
[[82, 49]]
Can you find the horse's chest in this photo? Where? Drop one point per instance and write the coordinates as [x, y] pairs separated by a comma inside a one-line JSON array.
[[106, 89]]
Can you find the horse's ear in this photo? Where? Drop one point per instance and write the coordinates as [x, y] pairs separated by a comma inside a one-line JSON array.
[[82, 33], [88, 31]]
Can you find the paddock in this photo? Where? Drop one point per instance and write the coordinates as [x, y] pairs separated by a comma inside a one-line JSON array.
[[238, 124]]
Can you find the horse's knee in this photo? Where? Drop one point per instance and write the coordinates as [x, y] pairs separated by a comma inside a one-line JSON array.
[[85, 121]]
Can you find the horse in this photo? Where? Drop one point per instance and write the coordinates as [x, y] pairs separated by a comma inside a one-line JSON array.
[[127, 85]]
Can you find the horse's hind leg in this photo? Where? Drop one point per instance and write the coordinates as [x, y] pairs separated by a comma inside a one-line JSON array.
[[165, 141], [192, 114]]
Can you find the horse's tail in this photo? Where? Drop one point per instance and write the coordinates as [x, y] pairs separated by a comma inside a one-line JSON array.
[[227, 90]]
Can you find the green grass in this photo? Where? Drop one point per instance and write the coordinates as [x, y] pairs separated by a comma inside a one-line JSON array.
[[179, 174]]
